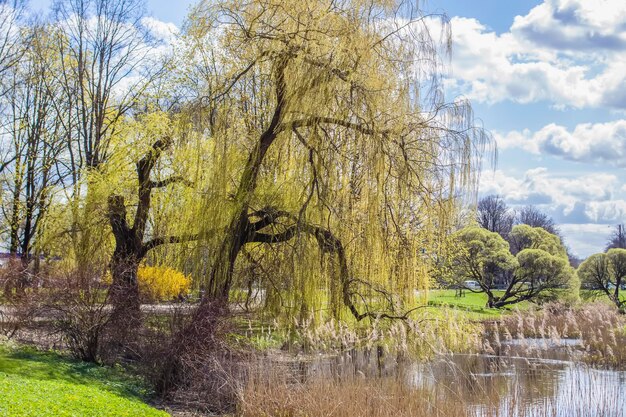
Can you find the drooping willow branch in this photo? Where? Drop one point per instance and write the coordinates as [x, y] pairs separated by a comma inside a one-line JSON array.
[[328, 243]]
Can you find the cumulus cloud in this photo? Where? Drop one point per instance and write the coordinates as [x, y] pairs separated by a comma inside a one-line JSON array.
[[585, 207], [585, 239], [592, 198], [575, 25], [587, 142], [563, 52]]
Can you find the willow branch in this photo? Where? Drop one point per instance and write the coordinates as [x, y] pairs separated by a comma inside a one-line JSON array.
[[151, 244], [170, 180], [328, 243]]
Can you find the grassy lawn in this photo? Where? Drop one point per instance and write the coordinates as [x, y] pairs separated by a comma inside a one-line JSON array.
[[46, 384], [472, 303]]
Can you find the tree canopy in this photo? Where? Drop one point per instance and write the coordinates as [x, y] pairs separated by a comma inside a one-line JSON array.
[[539, 270], [605, 272]]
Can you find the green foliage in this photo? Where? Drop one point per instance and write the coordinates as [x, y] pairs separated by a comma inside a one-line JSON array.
[[34, 384], [480, 253], [539, 267], [617, 262], [539, 271], [595, 271], [605, 272], [524, 236], [304, 108]]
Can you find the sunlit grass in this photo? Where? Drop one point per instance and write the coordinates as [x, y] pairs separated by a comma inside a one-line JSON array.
[[46, 384], [471, 303]]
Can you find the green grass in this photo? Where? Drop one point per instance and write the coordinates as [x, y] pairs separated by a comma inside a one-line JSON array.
[[40, 384], [471, 303]]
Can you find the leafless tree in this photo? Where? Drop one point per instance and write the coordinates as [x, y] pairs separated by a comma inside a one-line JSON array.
[[11, 41], [493, 214], [617, 238], [105, 67], [31, 130], [534, 217]]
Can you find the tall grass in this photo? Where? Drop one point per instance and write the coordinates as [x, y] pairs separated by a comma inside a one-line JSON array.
[[422, 337], [276, 390], [598, 329]]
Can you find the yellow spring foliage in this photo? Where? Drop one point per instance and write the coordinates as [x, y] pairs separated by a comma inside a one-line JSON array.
[[159, 283]]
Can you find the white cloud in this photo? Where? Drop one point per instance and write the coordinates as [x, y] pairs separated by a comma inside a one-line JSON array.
[[562, 51], [538, 186], [574, 25], [598, 142], [585, 239], [584, 207], [163, 31]]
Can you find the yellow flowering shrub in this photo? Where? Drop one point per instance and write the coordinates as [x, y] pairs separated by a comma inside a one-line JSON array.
[[159, 283]]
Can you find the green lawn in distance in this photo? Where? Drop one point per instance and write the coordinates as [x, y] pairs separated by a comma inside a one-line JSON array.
[[473, 303], [35, 384]]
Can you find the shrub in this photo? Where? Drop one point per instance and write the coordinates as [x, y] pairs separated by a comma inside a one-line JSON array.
[[78, 302], [158, 283]]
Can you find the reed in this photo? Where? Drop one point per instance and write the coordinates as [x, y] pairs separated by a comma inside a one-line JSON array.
[[276, 390], [598, 328]]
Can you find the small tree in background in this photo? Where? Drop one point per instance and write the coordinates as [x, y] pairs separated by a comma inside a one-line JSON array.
[[532, 216], [481, 254], [493, 214], [618, 238], [540, 269], [606, 272]]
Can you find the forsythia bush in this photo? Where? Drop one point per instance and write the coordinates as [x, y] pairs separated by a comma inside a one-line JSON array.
[[158, 283]]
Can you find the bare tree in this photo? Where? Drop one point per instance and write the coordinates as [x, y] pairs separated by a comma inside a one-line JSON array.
[[105, 67], [534, 217], [617, 238], [493, 214], [12, 46], [33, 130]]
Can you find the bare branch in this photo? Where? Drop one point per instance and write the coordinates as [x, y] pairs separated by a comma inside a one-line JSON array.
[[170, 180], [151, 244]]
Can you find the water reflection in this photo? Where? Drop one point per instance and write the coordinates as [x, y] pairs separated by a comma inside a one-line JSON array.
[[489, 384]]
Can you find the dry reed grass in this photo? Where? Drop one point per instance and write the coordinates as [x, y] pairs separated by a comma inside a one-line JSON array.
[[598, 328], [274, 393]]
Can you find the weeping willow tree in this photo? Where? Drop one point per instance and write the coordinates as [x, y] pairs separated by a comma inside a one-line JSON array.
[[335, 166]]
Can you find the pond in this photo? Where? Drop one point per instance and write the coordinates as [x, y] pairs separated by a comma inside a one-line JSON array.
[[486, 385]]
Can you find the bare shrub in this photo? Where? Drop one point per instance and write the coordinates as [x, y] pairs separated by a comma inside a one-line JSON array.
[[77, 305], [187, 359], [16, 278], [20, 304]]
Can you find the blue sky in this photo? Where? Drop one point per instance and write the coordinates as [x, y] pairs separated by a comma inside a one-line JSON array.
[[548, 79]]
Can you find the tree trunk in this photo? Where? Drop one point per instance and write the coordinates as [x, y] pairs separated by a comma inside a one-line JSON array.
[[491, 300], [124, 289], [222, 272], [124, 292]]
